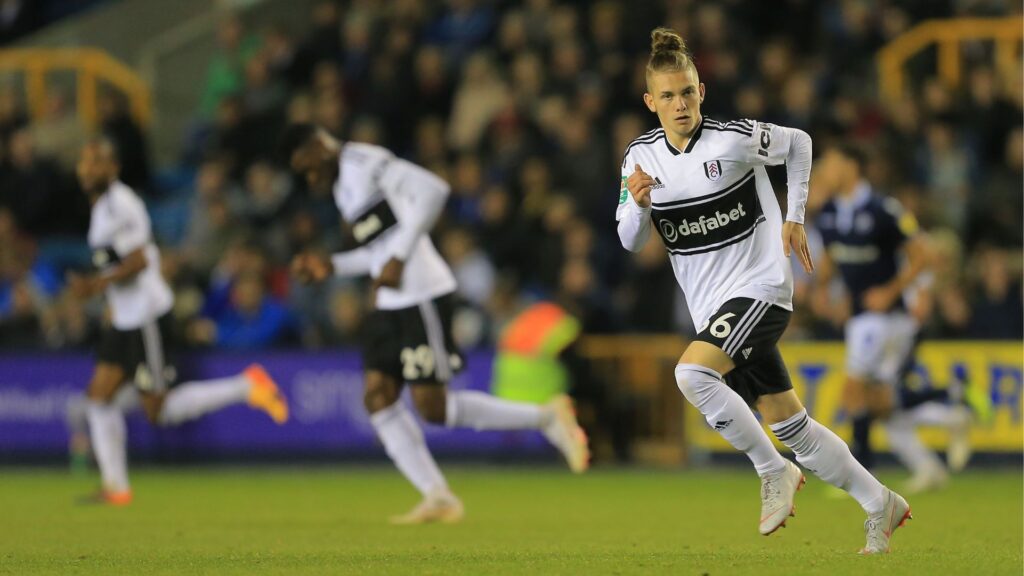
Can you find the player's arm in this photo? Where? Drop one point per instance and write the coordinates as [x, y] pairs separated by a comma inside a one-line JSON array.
[[316, 267], [821, 299], [634, 211], [129, 250], [919, 257], [417, 197], [772, 145], [89, 285]]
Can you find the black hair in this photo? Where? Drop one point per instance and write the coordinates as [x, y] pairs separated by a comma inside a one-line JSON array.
[[106, 141], [852, 152], [294, 137]]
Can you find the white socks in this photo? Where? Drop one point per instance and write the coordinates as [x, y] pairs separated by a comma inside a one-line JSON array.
[[403, 441], [193, 399], [819, 450], [470, 409], [901, 429], [107, 428], [727, 413]]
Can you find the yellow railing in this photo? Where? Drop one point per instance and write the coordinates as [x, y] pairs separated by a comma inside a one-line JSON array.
[[947, 35], [90, 65]]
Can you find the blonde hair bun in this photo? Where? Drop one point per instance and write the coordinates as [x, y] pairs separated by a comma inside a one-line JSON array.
[[666, 40]]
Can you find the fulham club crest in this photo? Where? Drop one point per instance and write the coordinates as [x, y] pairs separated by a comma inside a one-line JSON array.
[[713, 170]]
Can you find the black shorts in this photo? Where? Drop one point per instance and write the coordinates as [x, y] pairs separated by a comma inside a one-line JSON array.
[[144, 354], [413, 344], [748, 331]]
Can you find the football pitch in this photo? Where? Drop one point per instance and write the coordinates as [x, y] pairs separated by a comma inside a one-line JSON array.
[[532, 521]]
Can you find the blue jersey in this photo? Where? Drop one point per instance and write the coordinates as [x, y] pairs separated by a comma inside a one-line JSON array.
[[863, 236]]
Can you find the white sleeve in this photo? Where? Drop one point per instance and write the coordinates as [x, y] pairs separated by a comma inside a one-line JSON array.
[[352, 263], [634, 222], [417, 198], [635, 227], [133, 227], [772, 145]]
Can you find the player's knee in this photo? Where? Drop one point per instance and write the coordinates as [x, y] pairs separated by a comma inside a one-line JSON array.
[[693, 380], [103, 386], [431, 403], [380, 392]]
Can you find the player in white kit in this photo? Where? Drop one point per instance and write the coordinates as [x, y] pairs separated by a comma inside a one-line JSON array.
[[135, 349], [390, 206], [702, 185]]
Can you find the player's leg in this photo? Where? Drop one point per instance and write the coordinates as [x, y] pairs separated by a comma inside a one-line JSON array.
[[126, 399], [699, 376], [108, 432], [384, 339], [897, 355], [823, 453], [861, 418], [818, 449], [732, 343], [864, 339], [435, 359], [404, 443], [167, 404], [191, 400]]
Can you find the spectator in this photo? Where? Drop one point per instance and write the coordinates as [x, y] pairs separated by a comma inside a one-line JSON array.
[[59, 134], [997, 311], [473, 271], [481, 94], [226, 71], [38, 192], [251, 319]]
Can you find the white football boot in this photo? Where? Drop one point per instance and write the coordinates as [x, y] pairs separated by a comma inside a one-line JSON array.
[[879, 527], [441, 506], [777, 494], [565, 433]]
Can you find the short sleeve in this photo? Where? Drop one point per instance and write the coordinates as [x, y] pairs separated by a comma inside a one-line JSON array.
[[133, 226], [900, 224]]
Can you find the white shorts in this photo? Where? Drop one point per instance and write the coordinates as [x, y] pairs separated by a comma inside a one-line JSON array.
[[879, 345]]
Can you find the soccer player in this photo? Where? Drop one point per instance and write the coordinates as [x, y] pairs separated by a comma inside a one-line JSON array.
[[702, 185], [135, 349], [866, 237], [391, 205]]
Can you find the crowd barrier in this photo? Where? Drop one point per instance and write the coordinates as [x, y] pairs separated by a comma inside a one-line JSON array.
[[328, 419]]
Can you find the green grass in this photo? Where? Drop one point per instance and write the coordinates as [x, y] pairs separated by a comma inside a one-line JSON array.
[[519, 521]]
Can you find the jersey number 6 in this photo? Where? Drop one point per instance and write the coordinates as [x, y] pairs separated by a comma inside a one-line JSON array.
[[721, 328]]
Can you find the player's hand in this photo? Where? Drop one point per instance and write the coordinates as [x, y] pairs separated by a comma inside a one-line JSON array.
[[640, 185], [879, 298], [391, 275], [795, 237], [311, 267]]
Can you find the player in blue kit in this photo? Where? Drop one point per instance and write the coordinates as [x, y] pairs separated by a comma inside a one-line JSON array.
[[879, 254]]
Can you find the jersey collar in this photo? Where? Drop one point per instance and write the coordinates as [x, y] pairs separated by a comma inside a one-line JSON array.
[[693, 139]]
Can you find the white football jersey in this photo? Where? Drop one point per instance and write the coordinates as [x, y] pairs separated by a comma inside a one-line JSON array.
[[384, 199], [118, 226], [716, 211]]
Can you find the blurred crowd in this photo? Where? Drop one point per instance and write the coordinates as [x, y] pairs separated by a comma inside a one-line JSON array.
[[525, 108]]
